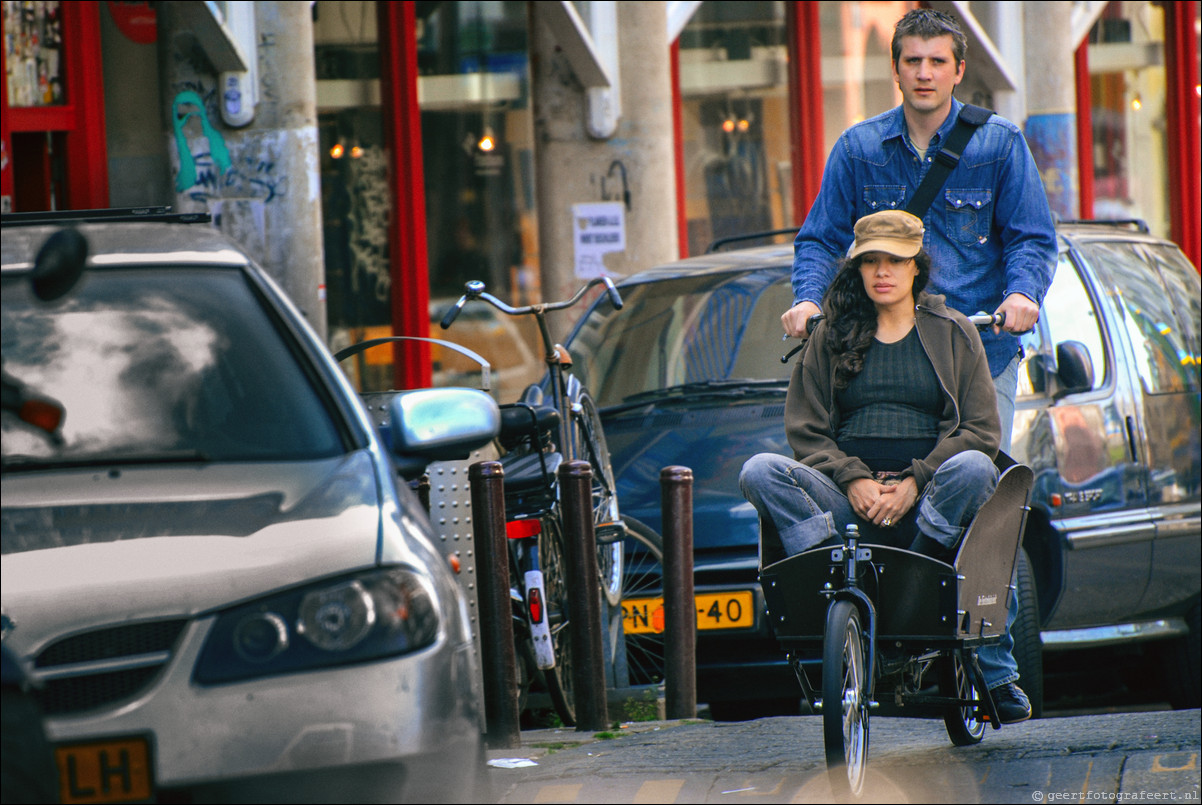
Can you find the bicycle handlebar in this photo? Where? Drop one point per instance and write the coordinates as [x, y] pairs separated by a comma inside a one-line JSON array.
[[981, 320], [475, 290]]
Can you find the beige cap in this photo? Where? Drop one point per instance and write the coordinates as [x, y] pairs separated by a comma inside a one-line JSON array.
[[895, 232]]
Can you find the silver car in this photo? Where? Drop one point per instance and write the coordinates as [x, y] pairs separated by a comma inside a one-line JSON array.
[[216, 576]]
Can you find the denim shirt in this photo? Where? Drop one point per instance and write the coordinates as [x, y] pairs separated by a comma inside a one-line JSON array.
[[989, 231]]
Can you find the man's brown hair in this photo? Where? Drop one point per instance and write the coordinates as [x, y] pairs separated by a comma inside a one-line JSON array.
[[928, 24]]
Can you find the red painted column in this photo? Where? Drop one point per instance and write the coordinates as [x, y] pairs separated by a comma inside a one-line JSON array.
[[1085, 188], [407, 237], [1185, 164], [805, 104], [87, 150], [682, 215]]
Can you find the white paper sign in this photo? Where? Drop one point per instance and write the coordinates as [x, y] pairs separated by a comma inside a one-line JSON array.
[[597, 229]]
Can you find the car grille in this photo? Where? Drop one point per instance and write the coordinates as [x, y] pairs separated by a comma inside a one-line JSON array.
[[98, 668]]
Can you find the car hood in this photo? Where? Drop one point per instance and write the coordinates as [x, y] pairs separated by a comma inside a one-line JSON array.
[[85, 547], [713, 442]]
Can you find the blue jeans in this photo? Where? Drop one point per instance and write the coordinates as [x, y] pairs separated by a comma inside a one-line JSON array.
[[806, 508], [997, 660], [1005, 385]]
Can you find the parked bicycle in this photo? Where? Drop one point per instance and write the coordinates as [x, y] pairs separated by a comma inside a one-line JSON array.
[[554, 422]]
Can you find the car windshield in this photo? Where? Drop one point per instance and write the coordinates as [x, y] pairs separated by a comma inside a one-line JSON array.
[[700, 332], [159, 364]]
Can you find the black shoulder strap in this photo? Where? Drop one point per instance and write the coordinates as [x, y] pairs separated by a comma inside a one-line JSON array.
[[970, 118]]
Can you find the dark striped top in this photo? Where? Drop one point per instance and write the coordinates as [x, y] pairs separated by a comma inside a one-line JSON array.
[[890, 410]]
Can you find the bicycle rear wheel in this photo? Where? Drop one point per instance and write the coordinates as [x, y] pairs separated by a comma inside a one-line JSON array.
[[844, 701], [553, 560], [962, 722]]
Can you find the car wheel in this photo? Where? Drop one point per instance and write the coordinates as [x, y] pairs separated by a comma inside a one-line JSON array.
[[1180, 665], [1028, 649]]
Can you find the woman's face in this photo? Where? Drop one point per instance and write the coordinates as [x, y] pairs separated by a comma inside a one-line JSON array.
[[888, 279]]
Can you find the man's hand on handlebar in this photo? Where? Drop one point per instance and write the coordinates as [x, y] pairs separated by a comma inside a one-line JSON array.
[[795, 319], [1020, 314]]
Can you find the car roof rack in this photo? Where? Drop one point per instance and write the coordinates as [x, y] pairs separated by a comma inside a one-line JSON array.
[[1138, 223], [713, 247], [116, 214]]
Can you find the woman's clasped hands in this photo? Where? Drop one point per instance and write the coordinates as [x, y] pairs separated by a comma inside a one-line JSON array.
[[882, 504]]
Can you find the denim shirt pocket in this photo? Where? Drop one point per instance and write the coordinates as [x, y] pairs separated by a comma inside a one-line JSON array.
[[879, 197], [969, 214]]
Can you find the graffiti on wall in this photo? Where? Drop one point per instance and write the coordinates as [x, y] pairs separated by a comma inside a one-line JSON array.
[[208, 170], [196, 165], [368, 223]]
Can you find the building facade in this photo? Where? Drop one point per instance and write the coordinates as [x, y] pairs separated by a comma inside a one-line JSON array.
[[378, 155]]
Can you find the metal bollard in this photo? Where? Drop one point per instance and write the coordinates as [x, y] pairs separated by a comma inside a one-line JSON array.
[[588, 665], [501, 711], [680, 614]]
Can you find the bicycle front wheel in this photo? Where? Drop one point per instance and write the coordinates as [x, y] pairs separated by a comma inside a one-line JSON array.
[[589, 445], [844, 700]]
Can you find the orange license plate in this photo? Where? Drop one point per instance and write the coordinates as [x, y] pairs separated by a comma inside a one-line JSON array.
[[104, 771], [727, 610]]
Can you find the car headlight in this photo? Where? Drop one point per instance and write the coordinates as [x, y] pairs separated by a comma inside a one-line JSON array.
[[371, 615]]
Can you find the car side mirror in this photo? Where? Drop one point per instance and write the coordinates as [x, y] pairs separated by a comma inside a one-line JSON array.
[[58, 265], [1039, 369], [1074, 369], [427, 425]]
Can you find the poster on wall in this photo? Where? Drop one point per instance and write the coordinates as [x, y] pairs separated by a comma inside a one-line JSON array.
[[597, 229]]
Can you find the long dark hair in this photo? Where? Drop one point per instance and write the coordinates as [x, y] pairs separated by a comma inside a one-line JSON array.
[[851, 315]]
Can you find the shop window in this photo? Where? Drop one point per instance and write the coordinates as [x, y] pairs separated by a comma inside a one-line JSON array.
[[478, 165], [857, 81], [1128, 90], [734, 91], [51, 108], [33, 38]]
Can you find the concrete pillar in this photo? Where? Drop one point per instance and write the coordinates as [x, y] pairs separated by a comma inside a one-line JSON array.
[[572, 168], [1003, 21], [1051, 101], [261, 182]]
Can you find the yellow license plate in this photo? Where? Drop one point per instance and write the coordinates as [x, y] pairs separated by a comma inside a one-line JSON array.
[[104, 771], [732, 610]]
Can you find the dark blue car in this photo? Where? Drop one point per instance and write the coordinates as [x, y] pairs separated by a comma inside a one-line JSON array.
[[689, 373]]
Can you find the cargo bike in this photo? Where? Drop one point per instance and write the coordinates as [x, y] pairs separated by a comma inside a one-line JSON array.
[[889, 624]]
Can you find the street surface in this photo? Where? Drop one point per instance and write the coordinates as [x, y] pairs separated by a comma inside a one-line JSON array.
[[1123, 757]]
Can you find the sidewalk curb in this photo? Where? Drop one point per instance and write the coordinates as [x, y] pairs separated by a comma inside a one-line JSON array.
[[540, 743]]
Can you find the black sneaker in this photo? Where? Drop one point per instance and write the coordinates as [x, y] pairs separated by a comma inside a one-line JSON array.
[[1012, 704]]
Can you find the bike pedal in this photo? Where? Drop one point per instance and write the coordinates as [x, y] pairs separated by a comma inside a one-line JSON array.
[[608, 533]]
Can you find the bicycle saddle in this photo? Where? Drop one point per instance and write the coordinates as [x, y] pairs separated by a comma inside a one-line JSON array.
[[520, 421]]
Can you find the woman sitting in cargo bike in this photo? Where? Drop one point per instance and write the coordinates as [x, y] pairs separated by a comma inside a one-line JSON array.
[[892, 415]]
